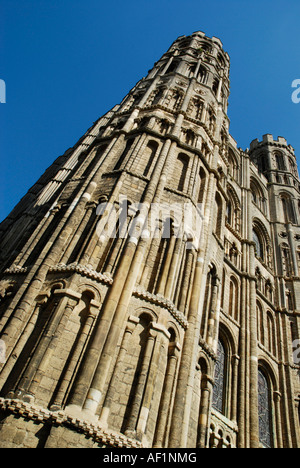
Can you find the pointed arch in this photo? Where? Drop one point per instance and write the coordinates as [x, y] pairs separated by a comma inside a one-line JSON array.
[[260, 323], [288, 208], [259, 196], [234, 298], [218, 215], [263, 246], [233, 209]]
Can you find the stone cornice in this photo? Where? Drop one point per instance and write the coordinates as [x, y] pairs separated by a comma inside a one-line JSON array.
[[82, 270], [162, 302], [39, 414]]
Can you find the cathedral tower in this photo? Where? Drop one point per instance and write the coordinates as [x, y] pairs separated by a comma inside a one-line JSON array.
[[149, 279]]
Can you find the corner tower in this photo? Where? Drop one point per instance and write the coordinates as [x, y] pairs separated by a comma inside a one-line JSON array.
[[99, 308]]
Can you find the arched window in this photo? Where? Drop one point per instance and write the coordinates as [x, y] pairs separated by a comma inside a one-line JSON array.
[[202, 74], [262, 162], [259, 279], [219, 381], [233, 165], [148, 157], [280, 162], [174, 99], [271, 334], [195, 109], [264, 411], [233, 210], [261, 239], [202, 182], [258, 245], [260, 323], [211, 120], [221, 60], [191, 69], [218, 220], [215, 86], [233, 298], [269, 291], [124, 154], [293, 167], [162, 257], [288, 209], [286, 260], [258, 196], [229, 211], [182, 165], [172, 67]]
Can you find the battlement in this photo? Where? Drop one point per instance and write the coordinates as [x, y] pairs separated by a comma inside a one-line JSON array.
[[268, 139]]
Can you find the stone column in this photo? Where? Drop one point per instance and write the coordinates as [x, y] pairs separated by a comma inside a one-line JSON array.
[[152, 386], [172, 271], [186, 280], [183, 398], [168, 389], [254, 423], [140, 388], [74, 358], [49, 342], [206, 392], [36, 236], [38, 278], [113, 387], [53, 337], [234, 397], [94, 371], [164, 273], [277, 405], [154, 245], [78, 233], [213, 312]]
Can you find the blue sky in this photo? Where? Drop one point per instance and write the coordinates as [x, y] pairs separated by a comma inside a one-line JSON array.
[[66, 62]]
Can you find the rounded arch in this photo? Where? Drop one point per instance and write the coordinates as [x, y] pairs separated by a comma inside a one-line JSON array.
[[57, 284], [202, 184], [145, 313], [205, 363], [90, 290], [182, 165], [148, 157], [174, 331]]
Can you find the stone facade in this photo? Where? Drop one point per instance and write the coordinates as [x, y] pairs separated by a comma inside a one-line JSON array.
[[150, 285]]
